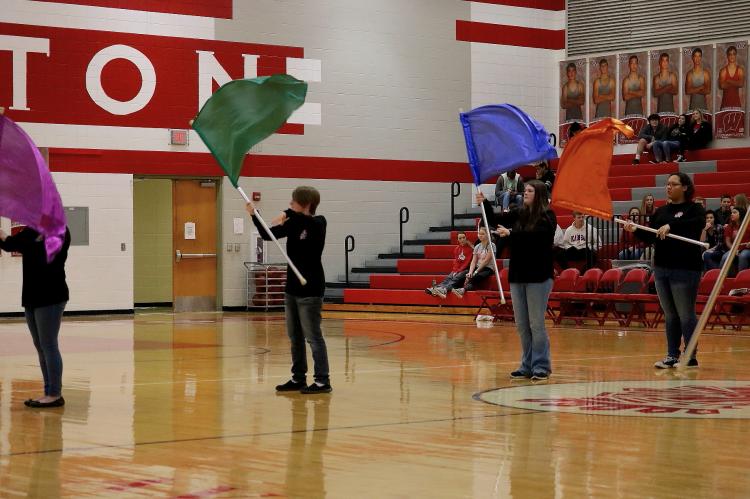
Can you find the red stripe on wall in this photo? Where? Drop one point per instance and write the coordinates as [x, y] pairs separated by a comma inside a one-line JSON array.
[[206, 8], [530, 4], [501, 34], [256, 165]]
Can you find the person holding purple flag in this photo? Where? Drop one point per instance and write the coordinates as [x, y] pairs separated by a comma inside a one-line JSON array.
[[29, 196], [44, 296]]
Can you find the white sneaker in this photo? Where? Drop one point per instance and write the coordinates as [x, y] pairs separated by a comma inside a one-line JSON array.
[[439, 292], [458, 292]]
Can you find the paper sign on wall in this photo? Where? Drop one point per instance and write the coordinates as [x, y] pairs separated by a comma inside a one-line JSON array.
[[239, 225], [189, 230]]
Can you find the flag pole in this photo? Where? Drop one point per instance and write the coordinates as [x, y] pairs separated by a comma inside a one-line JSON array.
[[302, 280], [489, 237], [709, 307], [673, 236]]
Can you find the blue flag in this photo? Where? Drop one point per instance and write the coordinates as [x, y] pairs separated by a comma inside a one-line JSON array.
[[500, 138]]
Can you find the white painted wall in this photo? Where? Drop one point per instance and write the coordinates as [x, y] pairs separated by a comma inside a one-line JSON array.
[[100, 275]]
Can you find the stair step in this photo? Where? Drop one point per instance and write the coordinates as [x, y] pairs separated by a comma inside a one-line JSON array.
[[422, 242], [374, 270], [391, 256], [344, 285], [448, 228]]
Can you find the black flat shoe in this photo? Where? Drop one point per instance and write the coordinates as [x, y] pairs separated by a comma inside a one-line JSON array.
[[55, 403], [27, 403]]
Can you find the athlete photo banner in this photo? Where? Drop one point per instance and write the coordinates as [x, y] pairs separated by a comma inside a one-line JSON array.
[[572, 96], [633, 97], [697, 84], [665, 84], [731, 90], [603, 88]]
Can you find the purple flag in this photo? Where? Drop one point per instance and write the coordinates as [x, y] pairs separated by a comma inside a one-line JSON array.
[[27, 193]]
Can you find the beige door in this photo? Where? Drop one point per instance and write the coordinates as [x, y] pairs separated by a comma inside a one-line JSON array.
[[194, 238]]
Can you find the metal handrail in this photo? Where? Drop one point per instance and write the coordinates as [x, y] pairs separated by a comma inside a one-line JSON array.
[[347, 250], [401, 220], [552, 139], [455, 192]]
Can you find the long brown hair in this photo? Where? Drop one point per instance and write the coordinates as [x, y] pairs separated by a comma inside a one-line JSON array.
[[529, 216]]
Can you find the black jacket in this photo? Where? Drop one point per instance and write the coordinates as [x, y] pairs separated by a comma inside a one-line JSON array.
[[650, 133], [305, 239], [684, 219], [701, 138], [530, 249], [43, 283]]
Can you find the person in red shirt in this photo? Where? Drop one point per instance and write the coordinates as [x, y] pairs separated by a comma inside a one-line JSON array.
[[461, 260]]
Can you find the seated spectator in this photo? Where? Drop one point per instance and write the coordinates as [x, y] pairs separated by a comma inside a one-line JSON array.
[[700, 135], [725, 210], [740, 201], [575, 128], [649, 134], [509, 188], [712, 232], [545, 175], [580, 242], [648, 207], [482, 264], [675, 141], [700, 200], [632, 246], [714, 258], [461, 260]]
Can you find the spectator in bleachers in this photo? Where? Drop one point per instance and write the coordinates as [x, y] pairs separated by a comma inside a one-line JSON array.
[[580, 242], [740, 201], [712, 232], [677, 265], [650, 133], [725, 210], [715, 259], [482, 263], [632, 248], [508, 189], [545, 176], [461, 259], [675, 141], [700, 132], [701, 201], [648, 207], [531, 232], [575, 128]]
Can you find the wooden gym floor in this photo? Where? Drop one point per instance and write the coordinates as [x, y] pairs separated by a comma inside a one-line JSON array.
[[165, 405]]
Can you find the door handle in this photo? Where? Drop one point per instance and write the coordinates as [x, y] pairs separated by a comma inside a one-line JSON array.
[[180, 255]]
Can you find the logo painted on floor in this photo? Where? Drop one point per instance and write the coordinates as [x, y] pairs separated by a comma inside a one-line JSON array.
[[666, 399]]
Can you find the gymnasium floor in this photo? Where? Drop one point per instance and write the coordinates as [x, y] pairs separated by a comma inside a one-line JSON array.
[[164, 405]]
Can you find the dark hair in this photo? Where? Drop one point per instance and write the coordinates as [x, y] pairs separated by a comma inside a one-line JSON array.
[[543, 164], [711, 212], [686, 181], [529, 216], [460, 232], [632, 57], [603, 61], [574, 128], [731, 48], [571, 65], [653, 116], [307, 196], [697, 50], [663, 55], [726, 196]]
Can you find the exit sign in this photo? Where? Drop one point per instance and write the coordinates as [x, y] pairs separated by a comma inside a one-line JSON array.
[[178, 137]]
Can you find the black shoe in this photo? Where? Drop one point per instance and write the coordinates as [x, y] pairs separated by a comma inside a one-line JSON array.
[[519, 375], [27, 402], [691, 363], [668, 363], [316, 388], [636, 161], [291, 386], [55, 403]]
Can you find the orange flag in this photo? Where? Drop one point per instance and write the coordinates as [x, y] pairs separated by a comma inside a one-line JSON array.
[[582, 173]]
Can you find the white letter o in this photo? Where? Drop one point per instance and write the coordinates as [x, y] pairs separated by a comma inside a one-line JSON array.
[[94, 82]]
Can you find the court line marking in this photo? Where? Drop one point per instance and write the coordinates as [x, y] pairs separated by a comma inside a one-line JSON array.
[[276, 433]]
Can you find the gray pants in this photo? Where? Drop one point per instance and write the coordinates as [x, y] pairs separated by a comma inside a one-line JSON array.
[[44, 325], [303, 324]]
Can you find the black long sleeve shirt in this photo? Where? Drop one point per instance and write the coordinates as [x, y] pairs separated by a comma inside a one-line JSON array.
[[43, 283], [684, 219], [305, 239], [530, 249]]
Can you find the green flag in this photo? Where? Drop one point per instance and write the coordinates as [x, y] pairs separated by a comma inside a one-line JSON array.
[[244, 112]]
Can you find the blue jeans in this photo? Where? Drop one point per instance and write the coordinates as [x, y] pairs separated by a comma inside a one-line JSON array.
[[303, 324], [744, 260], [663, 149], [529, 307], [630, 253], [678, 292], [44, 325], [453, 280], [506, 197]]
